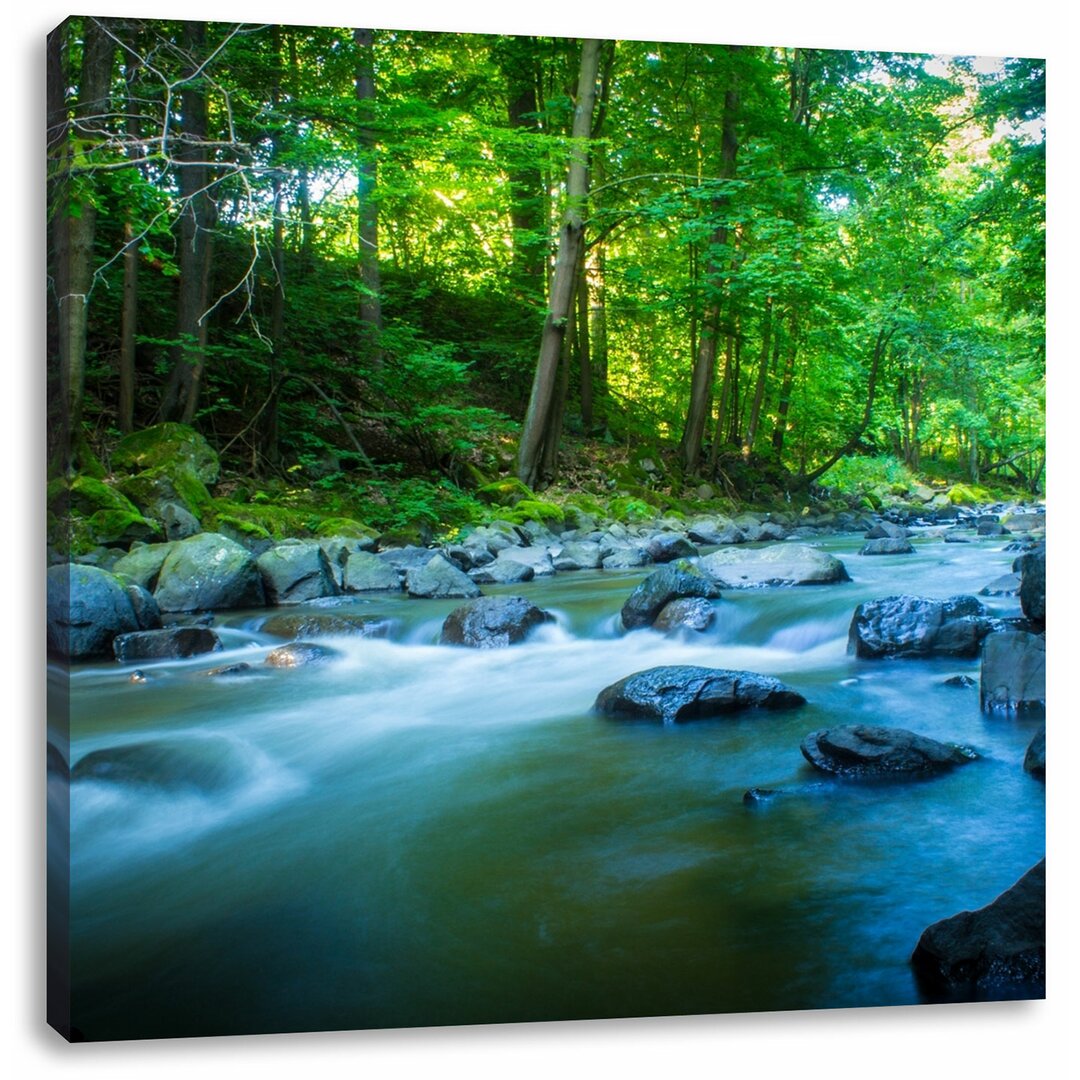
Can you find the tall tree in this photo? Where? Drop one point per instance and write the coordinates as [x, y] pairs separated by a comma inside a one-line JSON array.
[[571, 246], [367, 179]]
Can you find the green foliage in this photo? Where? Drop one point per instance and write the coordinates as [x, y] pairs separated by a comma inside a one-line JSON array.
[[861, 475]]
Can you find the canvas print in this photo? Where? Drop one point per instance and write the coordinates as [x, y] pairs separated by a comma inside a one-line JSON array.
[[539, 528]]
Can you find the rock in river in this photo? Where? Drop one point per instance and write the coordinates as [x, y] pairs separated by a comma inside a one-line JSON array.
[[911, 626], [1035, 757], [173, 643], [784, 564], [1013, 674], [888, 545], [659, 589], [997, 952], [85, 609], [492, 622], [299, 654], [865, 751], [682, 692]]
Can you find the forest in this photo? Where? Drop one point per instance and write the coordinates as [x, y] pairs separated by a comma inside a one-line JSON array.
[[380, 270]]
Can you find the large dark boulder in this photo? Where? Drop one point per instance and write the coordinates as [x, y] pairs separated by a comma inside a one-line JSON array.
[[784, 564], [866, 751], [208, 572], [325, 624], [86, 608], [1032, 569], [172, 643], [886, 530], [659, 589], [681, 692], [167, 445], [1013, 673], [914, 626], [997, 952], [492, 622], [293, 573], [667, 547]]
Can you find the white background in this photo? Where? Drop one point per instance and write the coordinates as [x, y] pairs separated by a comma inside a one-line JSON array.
[[993, 1040]]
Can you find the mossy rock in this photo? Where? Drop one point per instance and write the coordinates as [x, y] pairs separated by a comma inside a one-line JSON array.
[[347, 527], [508, 491], [967, 495], [256, 521], [535, 510], [111, 527], [626, 508], [153, 488], [167, 444], [418, 534], [85, 496]]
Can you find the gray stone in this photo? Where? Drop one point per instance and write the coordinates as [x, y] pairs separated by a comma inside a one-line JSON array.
[[1013, 675], [1032, 569], [626, 559], [667, 547], [537, 558], [142, 564], [439, 579], [785, 564], [492, 622], [677, 693], [293, 573], [327, 624], [887, 530], [578, 555], [867, 751], [502, 572], [299, 654], [206, 572], [888, 546], [147, 612], [1035, 757], [86, 608], [179, 522], [686, 614], [365, 572], [1006, 585], [661, 587]]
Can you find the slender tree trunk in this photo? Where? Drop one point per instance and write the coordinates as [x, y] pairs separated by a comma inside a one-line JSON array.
[[371, 285], [571, 242], [883, 337], [784, 406], [704, 371], [721, 411], [581, 327], [129, 311], [550, 459], [763, 370], [75, 214], [736, 375], [181, 395]]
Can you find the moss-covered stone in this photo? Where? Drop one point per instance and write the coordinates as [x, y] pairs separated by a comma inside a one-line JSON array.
[[237, 529], [257, 520], [347, 527], [967, 495], [508, 491], [536, 510], [152, 489], [121, 527], [169, 445]]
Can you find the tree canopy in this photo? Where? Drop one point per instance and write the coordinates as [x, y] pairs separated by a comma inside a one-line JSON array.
[[361, 257]]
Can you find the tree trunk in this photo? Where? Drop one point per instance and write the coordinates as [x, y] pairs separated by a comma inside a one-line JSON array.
[[704, 372], [571, 242], [367, 178], [581, 327], [763, 370], [721, 411], [129, 311], [785, 389], [181, 395], [75, 215], [884, 334]]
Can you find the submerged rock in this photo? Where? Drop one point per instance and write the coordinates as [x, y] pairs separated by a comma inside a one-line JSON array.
[[299, 654], [653, 594], [323, 624], [909, 626], [173, 643], [866, 751], [1013, 674], [887, 546], [961, 681], [997, 952], [492, 622], [784, 564], [203, 764], [682, 692], [1006, 585]]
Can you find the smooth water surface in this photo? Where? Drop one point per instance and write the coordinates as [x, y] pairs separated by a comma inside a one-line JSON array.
[[417, 835]]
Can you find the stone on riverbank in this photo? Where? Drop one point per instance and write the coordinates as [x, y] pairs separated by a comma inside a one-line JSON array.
[[784, 564], [492, 622], [681, 692], [440, 579], [207, 572], [293, 573], [914, 626], [86, 608], [997, 952], [866, 751]]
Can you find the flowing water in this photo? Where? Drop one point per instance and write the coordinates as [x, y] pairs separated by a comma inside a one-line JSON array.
[[417, 835]]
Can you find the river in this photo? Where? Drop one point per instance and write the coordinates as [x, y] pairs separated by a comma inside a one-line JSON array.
[[420, 835]]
